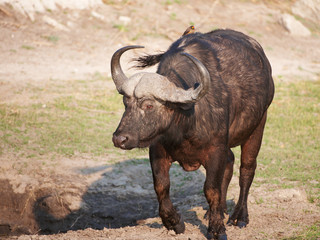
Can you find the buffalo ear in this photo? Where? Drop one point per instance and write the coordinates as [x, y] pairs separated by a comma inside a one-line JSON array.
[[186, 106], [181, 106]]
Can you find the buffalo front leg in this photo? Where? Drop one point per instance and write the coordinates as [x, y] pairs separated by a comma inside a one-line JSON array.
[[215, 168], [160, 164], [249, 152]]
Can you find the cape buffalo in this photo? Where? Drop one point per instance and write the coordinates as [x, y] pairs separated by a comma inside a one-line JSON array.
[[211, 93]]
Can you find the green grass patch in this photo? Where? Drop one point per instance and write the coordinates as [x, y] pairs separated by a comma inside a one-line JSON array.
[[312, 233], [173, 16], [121, 27], [290, 152], [291, 143], [27, 47], [51, 38], [69, 124]]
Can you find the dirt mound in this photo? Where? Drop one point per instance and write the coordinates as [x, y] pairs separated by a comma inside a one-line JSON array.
[[16, 211], [31, 208]]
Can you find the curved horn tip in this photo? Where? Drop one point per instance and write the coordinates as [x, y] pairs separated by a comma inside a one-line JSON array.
[[202, 89], [130, 47], [117, 74]]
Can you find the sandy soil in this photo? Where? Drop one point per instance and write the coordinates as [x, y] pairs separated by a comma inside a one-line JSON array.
[[88, 199]]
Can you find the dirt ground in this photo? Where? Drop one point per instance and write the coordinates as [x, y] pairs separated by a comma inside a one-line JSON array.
[[84, 197]]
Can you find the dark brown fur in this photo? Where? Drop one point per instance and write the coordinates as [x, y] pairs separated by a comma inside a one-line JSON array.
[[232, 113]]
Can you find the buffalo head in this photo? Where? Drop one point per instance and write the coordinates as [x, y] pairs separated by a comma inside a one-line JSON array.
[[149, 100]]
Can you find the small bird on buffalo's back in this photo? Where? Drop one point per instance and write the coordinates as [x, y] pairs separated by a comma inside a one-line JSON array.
[[189, 30]]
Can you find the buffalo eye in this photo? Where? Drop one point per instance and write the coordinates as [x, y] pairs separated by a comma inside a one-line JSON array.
[[147, 105]]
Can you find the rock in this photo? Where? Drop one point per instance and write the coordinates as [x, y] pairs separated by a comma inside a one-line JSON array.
[[125, 20], [50, 21], [293, 26], [309, 9], [98, 15], [30, 7]]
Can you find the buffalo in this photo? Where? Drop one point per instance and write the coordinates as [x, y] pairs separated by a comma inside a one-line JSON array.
[[210, 93]]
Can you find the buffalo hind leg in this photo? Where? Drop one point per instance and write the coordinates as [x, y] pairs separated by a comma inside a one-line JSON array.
[[249, 152], [226, 180], [215, 167], [160, 165]]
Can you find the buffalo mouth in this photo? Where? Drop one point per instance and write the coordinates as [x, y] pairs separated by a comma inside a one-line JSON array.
[[126, 142], [144, 143], [141, 144]]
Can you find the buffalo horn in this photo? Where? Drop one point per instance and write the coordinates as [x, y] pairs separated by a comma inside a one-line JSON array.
[[158, 86], [203, 88], [117, 74]]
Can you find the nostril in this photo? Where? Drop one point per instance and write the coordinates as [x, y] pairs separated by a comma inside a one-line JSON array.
[[119, 141], [122, 139]]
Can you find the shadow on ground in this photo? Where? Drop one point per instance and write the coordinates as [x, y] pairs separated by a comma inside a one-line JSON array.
[[123, 196]]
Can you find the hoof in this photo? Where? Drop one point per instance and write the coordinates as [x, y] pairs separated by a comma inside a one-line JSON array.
[[231, 222], [180, 227], [210, 236], [222, 236], [241, 224]]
